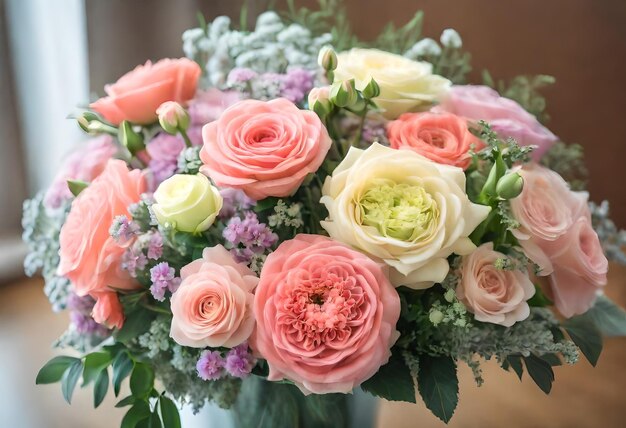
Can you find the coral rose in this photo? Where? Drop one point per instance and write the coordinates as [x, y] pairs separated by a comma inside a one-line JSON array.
[[494, 295], [264, 148], [213, 304], [137, 95], [89, 257], [443, 138], [405, 85], [326, 315], [506, 117], [403, 208]]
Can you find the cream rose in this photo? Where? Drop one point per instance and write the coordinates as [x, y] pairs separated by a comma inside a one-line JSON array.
[[403, 208], [213, 304], [405, 85], [493, 295], [189, 202]]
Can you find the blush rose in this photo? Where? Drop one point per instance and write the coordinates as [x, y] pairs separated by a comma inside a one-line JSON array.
[[264, 148]]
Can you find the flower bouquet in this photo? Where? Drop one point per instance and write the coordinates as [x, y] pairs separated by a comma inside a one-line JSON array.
[[273, 223]]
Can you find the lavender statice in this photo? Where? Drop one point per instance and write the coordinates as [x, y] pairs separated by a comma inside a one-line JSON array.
[[234, 201], [80, 308], [133, 261], [210, 366], [248, 236], [154, 245], [163, 278], [293, 85], [296, 84], [123, 229], [239, 361]]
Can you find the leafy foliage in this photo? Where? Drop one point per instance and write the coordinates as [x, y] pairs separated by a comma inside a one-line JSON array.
[[568, 161], [609, 318], [393, 381], [438, 385]]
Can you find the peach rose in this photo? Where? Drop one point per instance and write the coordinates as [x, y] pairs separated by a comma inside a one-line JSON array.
[[580, 269], [546, 210], [108, 310], [137, 94], [213, 305], [493, 295], [89, 257], [326, 315], [441, 137], [264, 148]]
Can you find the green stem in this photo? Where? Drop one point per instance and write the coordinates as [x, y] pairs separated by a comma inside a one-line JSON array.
[[183, 133], [359, 134]]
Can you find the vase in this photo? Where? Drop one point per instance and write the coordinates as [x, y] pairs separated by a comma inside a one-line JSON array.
[[263, 404]]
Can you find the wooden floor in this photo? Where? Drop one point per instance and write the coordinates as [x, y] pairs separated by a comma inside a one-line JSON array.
[[581, 397]]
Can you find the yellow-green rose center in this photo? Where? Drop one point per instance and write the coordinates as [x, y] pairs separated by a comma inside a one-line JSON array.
[[401, 211]]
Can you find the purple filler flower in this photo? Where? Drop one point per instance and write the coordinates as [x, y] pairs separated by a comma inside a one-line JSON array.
[[133, 261], [210, 366], [239, 361], [250, 233], [235, 200], [155, 246], [122, 229], [163, 279], [296, 84]]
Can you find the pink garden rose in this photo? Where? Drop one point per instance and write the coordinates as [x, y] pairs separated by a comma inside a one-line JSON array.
[[265, 148], [137, 95], [580, 269], [89, 257], [493, 295], [506, 117], [326, 315], [208, 105], [441, 137], [555, 232], [84, 164], [213, 304]]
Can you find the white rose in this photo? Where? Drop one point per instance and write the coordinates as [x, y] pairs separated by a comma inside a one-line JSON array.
[[402, 208], [189, 202], [405, 85]]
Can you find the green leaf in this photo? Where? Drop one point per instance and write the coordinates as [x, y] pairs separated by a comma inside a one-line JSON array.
[[552, 359], [122, 366], [609, 318], [154, 421], [539, 299], [515, 362], [586, 336], [540, 371], [127, 401], [141, 380], [438, 385], [94, 364], [76, 186], [265, 204], [53, 370], [101, 387], [139, 412], [70, 378], [169, 413], [136, 323], [392, 382]]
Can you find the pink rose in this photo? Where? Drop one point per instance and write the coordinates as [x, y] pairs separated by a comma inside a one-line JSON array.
[[441, 137], [210, 104], [546, 210], [493, 295], [89, 257], [84, 164], [264, 148], [506, 117], [137, 94], [326, 315], [108, 310], [580, 269], [213, 304]]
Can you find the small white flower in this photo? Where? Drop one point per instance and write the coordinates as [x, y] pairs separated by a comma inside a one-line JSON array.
[[219, 26], [450, 38], [267, 18], [426, 46]]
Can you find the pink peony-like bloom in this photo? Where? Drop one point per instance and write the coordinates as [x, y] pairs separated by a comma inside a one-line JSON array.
[[506, 117], [441, 137], [555, 232], [137, 94], [208, 105], [84, 165], [580, 269], [546, 210], [326, 315], [493, 295], [213, 303], [89, 257], [264, 148]]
